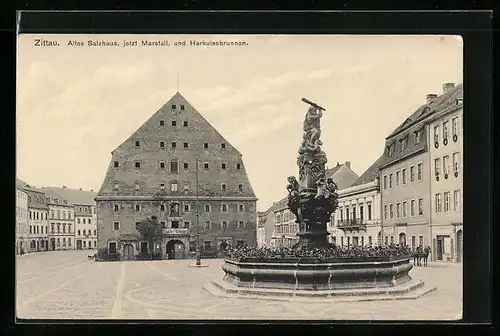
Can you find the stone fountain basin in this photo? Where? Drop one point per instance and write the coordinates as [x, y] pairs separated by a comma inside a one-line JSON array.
[[313, 275]]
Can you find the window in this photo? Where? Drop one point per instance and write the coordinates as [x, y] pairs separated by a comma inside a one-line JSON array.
[[186, 225], [445, 130], [438, 203], [223, 208], [186, 207], [437, 166], [390, 181], [51, 214], [404, 209], [84, 221], [162, 186], [456, 159], [412, 207], [223, 146], [137, 164], [413, 240], [116, 225], [205, 145], [391, 212], [403, 176], [436, 133], [186, 187], [137, 186], [390, 150], [420, 206], [385, 181], [398, 210], [223, 187], [162, 164], [175, 224], [207, 207], [52, 227], [182, 107], [174, 107], [137, 225], [412, 174], [404, 143], [115, 164], [112, 247], [186, 166], [397, 178], [421, 240], [456, 200], [207, 225], [369, 211], [454, 126], [224, 225], [446, 168], [174, 186], [163, 225], [240, 187], [174, 167], [58, 241], [238, 166], [174, 123], [207, 245], [241, 225], [137, 208], [162, 144], [115, 209], [185, 123], [417, 137], [205, 166], [186, 145], [162, 122], [447, 201], [241, 208], [419, 171], [64, 241], [58, 227], [174, 144], [223, 166], [137, 144], [69, 242]]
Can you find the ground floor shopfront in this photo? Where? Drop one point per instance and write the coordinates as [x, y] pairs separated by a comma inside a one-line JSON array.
[[447, 242]]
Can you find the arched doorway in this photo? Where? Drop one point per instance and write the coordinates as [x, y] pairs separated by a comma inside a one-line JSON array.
[[460, 245], [175, 249], [402, 238], [128, 251]]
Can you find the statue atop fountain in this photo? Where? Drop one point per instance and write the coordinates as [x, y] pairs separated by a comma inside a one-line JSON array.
[[312, 198]]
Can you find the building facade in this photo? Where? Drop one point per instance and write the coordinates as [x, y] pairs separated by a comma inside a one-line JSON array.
[[22, 226], [61, 222], [357, 222], [265, 227], [38, 220], [154, 173], [446, 175], [405, 176]]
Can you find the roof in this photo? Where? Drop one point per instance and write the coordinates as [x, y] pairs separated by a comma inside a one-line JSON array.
[[20, 184], [441, 102], [371, 173], [75, 196], [333, 170]]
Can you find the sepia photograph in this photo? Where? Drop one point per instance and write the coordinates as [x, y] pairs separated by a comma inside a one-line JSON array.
[[239, 177]]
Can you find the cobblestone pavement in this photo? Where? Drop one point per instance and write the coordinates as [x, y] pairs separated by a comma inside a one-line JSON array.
[[66, 285]]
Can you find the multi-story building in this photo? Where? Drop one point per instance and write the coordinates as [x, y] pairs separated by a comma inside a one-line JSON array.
[[85, 219], [154, 173], [446, 176], [285, 229], [265, 227], [22, 226], [37, 219], [358, 214], [405, 176], [61, 221]]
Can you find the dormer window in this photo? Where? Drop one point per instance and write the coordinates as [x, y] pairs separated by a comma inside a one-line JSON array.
[[182, 107], [137, 144], [404, 143], [417, 137], [223, 146], [162, 122], [390, 150], [174, 107]]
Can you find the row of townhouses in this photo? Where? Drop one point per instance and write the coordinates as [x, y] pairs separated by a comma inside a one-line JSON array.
[[412, 194], [52, 218]]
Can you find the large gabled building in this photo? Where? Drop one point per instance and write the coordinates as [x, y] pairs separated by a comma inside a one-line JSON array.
[[153, 172]]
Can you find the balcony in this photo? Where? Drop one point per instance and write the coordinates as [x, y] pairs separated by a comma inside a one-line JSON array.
[[175, 232], [355, 224]]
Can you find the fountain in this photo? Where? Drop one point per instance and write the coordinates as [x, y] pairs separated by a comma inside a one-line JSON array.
[[313, 267]]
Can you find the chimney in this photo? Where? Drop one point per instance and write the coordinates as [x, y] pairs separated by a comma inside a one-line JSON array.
[[80, 188], [338, 164], [348, 164], [91, 189], [64, 187], [447, 87], [431, 97]]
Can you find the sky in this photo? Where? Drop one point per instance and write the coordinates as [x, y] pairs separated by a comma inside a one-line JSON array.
[[75, 104]]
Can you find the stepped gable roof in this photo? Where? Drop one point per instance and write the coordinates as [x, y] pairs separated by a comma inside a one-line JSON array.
[[371, 173], [75, 196]]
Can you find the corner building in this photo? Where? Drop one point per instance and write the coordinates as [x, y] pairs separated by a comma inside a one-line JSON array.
[[160, 159]]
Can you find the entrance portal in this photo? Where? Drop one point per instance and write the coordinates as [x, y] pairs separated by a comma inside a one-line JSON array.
[[175, 249], [439, 248], [402, 238], [460, 245], [53, 244], [78, 244], [128, 251]]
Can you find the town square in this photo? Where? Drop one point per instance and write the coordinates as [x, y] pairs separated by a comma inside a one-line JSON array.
[[267, 198]]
